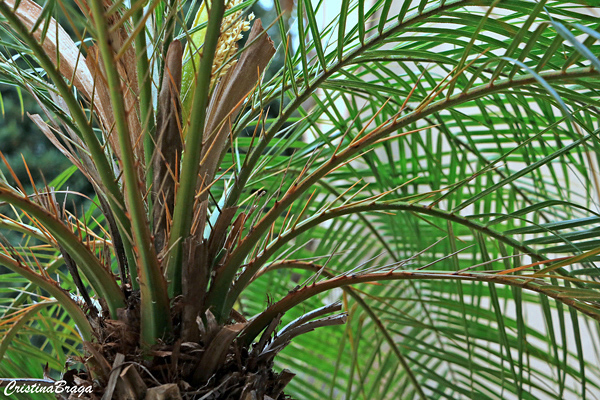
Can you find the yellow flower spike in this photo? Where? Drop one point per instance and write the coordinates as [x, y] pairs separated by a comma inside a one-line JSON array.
[[232, 29]]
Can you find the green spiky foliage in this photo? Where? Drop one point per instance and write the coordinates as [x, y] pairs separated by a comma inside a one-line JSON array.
[[407, 208]]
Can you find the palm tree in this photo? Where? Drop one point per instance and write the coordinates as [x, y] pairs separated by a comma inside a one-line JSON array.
[[419, 188]]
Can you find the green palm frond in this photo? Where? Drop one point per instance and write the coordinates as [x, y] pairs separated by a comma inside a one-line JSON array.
[[431, 166]]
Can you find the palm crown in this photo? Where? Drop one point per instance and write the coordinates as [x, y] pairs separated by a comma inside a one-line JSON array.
[[436, 162]]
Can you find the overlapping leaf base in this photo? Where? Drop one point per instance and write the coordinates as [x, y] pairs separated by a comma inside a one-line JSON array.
[[215, 367]]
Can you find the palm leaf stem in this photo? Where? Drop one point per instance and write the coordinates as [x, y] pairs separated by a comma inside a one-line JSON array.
[[363, 304], [23, 318], [51, 287], [257, 324], [252, 159], [220, 286], [26, 229], [253, 268], [155, 313], [85, 129], [24, 294], [99, 277], [190, 167], [146, 106]]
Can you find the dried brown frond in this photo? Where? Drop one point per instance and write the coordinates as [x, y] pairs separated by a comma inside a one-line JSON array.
[[169, 145]]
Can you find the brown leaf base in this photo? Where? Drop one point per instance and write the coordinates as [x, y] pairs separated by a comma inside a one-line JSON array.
[[214, 368]]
